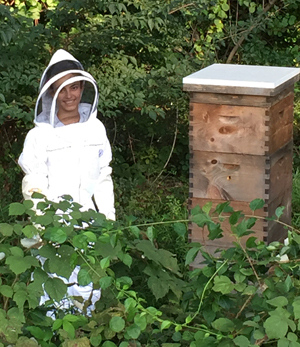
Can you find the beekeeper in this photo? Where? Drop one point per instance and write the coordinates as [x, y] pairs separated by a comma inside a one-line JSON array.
[[67, 152]]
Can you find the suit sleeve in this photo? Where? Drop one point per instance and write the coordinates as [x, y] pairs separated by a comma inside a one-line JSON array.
[[33, 161], [104, 192]]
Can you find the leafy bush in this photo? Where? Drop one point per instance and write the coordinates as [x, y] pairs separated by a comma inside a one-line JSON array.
[[247, 296]]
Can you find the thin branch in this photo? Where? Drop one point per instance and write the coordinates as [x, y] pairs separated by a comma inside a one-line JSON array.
[[242, 38], [180, 8], [172, 149]]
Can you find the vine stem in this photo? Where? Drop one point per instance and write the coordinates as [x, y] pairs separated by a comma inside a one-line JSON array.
[[205, 287]]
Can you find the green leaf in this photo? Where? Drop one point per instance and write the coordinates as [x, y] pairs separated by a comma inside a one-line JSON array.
[[235, 216], [90, 236], [257, 204], [279, 211], [165, 324], [69, 328], [141, 321], [157, 287], [296, 307], [19, 265], [241, 341], [57, 235], [96, 340], [6, 290], [224, 325], [57, 324], [133, 331], [117, 324], [223, 284], [201, 219], [55, 288], [106, 282], [6, 229], [84, 277], [16, 209], [180, 229], [109, 344], [104, 263], [276, 327], [279, 301], [29, 231], [191, 255], [207, 207]]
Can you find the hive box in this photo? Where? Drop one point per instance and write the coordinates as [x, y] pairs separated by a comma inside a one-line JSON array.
[[241, 144]]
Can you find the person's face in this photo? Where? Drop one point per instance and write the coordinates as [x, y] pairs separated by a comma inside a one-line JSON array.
[[69, 97]]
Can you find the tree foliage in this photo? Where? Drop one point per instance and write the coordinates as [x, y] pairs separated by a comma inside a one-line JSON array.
[[138, 52]]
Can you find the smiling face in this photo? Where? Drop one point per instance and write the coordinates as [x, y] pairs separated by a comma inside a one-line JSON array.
[[68, 100]]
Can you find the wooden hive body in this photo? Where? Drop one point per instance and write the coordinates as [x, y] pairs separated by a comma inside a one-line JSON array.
[[241, 142]]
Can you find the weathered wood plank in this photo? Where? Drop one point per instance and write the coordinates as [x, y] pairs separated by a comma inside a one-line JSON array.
[[229, 176], [230, 129], [280, 123], [239, 100]]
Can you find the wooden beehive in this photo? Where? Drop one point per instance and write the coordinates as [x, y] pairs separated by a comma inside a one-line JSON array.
[[241, 142]]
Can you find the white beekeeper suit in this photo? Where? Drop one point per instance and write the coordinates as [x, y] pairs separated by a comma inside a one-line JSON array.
[[68, 160], [72, 159]]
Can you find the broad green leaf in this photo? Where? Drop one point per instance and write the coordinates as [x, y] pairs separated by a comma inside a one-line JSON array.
[[57, 324], [223, 284], [16, 209], [191, 255], [180, 229], [284, 342], [279, 301], [29, 231], [165, 324], [296, 307], [45, 219], [157, 287], [72, 318], [276, 327], [148, 249], [140, 321], [57, 235], [69, 328], [109, 344], [19, 264], [257, 204], [37, 332], [6, 229], [224, 325], [215, 231], [84, 277], [104, 263], [96, 340], [129, 304], [279, 211], [207, 207], [235, 216], [6, 290], [117, 324], [55, 288], [133, 331], [90, 236], [106, 282], [135, 230], [201, 219], [241, 341]]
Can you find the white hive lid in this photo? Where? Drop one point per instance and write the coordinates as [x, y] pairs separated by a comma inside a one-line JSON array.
[[241, 79]]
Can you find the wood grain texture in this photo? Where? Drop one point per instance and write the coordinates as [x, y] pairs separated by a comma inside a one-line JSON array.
[[228, 176], [239, 100], [280, 124], [228, 129]]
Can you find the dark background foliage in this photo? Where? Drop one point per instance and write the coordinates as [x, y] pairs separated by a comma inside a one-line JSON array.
[[138, 51]]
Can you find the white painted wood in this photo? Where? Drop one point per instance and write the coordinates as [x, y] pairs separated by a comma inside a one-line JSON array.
[[244, 76]]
